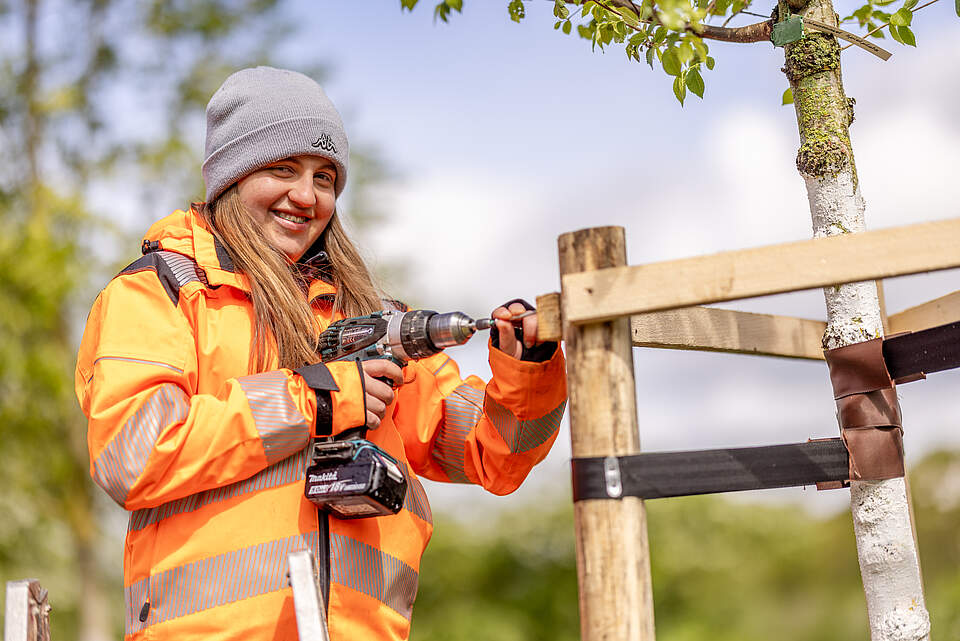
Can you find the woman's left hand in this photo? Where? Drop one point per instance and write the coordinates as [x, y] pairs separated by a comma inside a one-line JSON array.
[[508, 339]]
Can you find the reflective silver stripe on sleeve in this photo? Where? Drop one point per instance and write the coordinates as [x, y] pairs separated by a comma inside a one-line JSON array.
[[218, 580], [289, 470], [366, 569], [523, 436], [461, 411], [280, 424], [416, 499], [123, 460]]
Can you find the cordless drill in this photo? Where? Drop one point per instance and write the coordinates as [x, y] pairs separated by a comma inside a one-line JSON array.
[[351, 477], [397, 336]]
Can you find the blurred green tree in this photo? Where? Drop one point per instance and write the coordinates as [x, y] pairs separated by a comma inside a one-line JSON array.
[[96, 96]]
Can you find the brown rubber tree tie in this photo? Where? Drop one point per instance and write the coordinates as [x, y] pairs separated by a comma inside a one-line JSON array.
[[867, 410]]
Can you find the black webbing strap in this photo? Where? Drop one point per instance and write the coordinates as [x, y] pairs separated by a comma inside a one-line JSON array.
[[662, 474], [909, 356]]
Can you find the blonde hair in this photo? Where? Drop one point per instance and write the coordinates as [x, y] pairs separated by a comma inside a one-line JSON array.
[[278, 290]]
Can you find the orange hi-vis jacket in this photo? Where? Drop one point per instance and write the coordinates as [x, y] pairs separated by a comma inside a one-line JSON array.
[[210, 460]]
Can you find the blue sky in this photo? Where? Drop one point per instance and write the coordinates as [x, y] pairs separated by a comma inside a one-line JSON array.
[[506, 136]]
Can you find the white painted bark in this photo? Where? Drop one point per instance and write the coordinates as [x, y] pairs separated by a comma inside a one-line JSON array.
[[889, 564]]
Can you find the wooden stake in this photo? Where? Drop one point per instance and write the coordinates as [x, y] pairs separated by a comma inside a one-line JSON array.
[[613, 561], [548, 317], [938, 311], [884, 318], [725, 330], [27, 612]]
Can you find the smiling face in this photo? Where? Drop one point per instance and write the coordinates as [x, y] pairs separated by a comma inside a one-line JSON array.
[[292, 200]]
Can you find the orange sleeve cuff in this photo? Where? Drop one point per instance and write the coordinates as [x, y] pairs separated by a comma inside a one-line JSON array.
[[349, 406], [528, 389]]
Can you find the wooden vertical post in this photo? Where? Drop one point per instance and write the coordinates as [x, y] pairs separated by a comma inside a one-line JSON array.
[[613, 560], [27, 613]]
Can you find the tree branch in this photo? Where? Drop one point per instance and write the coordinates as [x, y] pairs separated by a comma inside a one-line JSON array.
[[757, 32]]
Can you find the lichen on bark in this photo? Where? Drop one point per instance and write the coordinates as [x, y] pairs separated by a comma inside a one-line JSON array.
[[823, 111], [813, 53], [821, 155]]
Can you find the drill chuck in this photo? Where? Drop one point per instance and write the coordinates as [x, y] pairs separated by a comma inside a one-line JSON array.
[[452, 328]]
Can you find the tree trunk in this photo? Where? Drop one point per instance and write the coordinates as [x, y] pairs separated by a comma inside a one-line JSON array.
[[882, 523]]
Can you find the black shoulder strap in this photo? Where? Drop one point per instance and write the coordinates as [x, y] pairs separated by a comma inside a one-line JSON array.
[[174, 270]]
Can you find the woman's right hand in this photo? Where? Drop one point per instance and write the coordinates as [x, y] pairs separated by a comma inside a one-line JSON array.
[[379, 395]]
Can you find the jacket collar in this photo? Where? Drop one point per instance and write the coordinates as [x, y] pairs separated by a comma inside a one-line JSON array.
[[185, 232]]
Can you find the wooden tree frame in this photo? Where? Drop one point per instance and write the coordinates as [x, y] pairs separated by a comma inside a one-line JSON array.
[[599, 292], [669, 317]]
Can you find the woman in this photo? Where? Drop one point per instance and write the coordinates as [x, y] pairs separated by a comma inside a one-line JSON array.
[[198, 372]]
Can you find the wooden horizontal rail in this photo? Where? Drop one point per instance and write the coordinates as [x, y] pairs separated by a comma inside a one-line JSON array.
[[595, 296], [707, 329], [724, 330], [938, 311]]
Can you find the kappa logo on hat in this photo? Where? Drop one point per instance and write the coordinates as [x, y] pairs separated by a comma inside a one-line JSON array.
[[324, 142]]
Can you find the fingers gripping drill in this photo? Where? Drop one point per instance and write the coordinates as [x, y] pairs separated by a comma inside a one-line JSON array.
[[353, 478]]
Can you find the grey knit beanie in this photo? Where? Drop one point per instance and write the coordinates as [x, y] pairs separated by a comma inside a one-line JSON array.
[[262, 115]]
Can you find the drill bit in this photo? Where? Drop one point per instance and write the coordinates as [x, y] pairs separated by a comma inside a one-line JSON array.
[[488, 323]]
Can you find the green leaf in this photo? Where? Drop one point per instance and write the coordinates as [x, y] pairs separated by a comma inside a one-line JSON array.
[[408, 4], [694, 82], [720, 7], [566, 27], [671, 64], [441, 11], [701, 48], [628, 16], [910, 4], [685, 53], [650, 53], [710, 63], [862, 14], [957, 7], [787, 96], [883, 3], [906, 36], [560, 9], [456, 5], [901, 18], [516, 10], [895, 35], [679, 89]]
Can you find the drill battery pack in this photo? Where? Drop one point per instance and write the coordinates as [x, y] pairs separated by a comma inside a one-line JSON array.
[[354, 479]]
